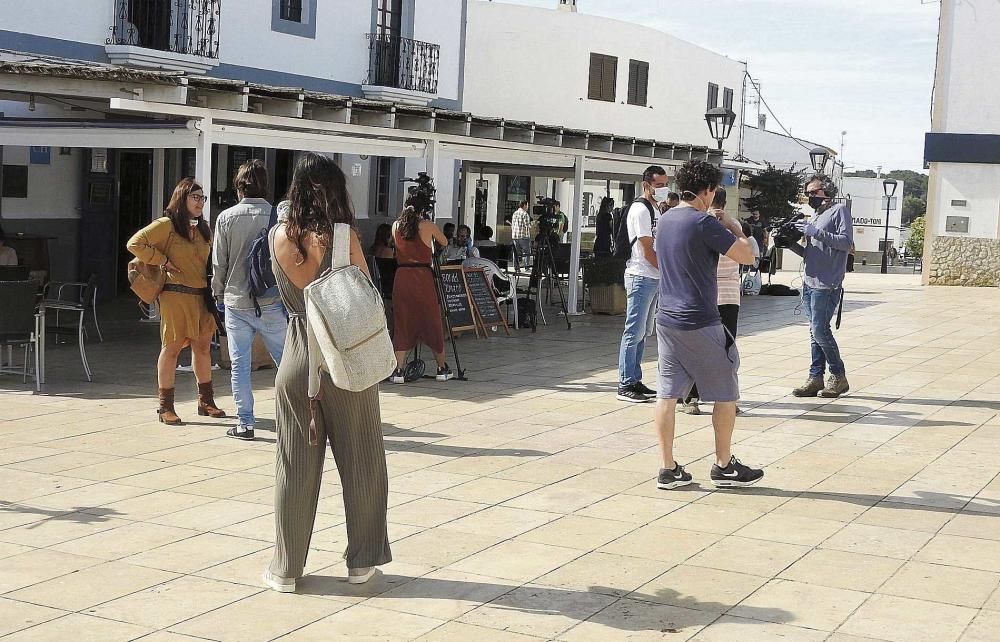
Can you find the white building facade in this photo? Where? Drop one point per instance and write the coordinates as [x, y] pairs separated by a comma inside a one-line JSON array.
[[585, 72], [962, 150], [868, 211]]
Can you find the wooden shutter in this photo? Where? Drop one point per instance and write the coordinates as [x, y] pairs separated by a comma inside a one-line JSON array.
[[727, 98], [713, 95], [638, 81], [603, 77]]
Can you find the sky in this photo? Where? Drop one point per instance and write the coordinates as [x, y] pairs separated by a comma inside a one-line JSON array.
[[824, 66]]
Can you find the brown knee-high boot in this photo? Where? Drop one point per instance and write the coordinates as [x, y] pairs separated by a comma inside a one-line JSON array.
[[166, 412], [206, 402]]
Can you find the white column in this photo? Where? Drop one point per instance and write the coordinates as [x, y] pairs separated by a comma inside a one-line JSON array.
[[576, 221], [203, 163]]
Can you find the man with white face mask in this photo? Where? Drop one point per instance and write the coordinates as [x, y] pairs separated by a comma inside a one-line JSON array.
[[642, 279]]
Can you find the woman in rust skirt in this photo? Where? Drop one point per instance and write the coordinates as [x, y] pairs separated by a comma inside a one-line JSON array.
[[416, 313]]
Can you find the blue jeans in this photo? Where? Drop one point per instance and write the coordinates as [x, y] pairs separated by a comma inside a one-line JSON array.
[[820, 306], [641, 293], [241, 327]]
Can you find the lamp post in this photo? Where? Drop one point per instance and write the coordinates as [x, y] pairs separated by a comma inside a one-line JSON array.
[[889, 187], [818, 157], [720, 123]]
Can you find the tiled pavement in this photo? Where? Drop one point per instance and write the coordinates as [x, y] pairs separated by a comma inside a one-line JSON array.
[[522, 502]]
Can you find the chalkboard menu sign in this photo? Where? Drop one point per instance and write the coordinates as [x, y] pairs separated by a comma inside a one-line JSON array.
[[484, 298], [456, 299]]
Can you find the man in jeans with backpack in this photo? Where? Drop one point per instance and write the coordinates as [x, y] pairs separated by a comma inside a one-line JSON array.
[[247, 315], [634, 242]]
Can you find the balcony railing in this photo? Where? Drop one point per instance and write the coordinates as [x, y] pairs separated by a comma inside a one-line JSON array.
[[181, 26], [403, 63]]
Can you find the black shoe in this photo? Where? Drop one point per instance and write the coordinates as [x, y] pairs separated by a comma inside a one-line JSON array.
[[240, 432], [735, 475], [444, 373], [670, 479], [631, 395], [643, 389]]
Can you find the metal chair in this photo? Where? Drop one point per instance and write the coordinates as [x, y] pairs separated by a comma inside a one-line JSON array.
[[503, 286], [19, 325], [73, 297]]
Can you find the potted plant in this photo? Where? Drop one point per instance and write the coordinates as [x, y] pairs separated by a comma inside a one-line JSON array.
[[604, 277]]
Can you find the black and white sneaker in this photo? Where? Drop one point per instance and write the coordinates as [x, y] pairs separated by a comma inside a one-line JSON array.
[[242, 431], [444, 373], [735, 475], [397, 376], [645, 390], [670, 479], [631, 395]]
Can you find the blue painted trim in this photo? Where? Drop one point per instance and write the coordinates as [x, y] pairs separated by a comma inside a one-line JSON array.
[[31, 43], [961, 148], [284, 79], [306, 29]]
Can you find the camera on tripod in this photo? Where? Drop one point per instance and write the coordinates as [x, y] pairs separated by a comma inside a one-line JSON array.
[[421, 195], [785, 232], [545, 213]]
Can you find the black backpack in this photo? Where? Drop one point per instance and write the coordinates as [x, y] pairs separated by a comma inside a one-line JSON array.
[[260, 274], [623, 244]]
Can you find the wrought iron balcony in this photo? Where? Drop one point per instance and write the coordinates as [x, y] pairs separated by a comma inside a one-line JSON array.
[[188, 27], [402, 63]]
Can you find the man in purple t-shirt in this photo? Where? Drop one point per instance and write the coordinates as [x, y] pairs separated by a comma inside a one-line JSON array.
[[692, 343]]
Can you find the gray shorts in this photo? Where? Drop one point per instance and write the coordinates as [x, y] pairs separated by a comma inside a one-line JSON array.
[[706, 356]]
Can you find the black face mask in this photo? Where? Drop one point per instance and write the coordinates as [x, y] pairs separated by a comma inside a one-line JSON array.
[[816, 202]]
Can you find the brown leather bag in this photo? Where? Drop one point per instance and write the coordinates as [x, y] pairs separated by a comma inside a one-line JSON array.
[[147, 280]]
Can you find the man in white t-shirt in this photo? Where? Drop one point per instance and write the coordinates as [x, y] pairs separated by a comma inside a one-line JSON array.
[[642, 279]]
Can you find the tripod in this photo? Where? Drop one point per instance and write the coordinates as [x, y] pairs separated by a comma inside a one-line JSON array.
[[543, 253]]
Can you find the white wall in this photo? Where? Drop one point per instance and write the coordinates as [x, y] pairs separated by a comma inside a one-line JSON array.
[[966, 98], [978, 185], [525, 63], [869, 214], [87, 21], [54, 190]]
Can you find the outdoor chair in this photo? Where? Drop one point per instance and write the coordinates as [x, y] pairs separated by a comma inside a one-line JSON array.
[[503, 286], [19, 325], [73, 298]]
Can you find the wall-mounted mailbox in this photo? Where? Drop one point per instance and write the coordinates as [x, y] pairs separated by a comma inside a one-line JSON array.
[[957, 203], [957, 224]]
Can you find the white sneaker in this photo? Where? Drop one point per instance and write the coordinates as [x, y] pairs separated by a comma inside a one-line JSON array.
[[360, 575], [279, 584]]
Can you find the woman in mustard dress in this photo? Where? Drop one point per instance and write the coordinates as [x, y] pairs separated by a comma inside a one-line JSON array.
[[181, 242]]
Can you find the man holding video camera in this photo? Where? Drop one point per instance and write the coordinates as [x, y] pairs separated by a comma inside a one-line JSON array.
[[828, 239]]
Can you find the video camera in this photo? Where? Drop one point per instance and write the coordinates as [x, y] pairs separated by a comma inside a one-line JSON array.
[[421, 195], [785, 232], [545, 213]]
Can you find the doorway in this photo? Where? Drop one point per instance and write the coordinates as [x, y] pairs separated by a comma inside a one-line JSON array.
[[135, 194]]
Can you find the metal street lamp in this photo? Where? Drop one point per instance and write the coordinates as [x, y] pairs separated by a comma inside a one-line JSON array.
[[720, 123], [889, 187], [818, 157]]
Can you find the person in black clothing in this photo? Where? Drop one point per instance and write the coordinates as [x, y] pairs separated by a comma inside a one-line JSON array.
[[757, 230], [602, 242]]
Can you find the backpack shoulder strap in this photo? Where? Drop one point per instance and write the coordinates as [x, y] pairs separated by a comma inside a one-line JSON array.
[[341, 247], [272, 220]]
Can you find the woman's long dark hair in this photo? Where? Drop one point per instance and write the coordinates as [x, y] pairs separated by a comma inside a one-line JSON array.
[[318, 199], [178, 213], [409, 222], [383, 236]]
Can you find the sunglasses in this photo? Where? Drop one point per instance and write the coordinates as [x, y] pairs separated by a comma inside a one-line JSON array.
[[201, 198], [814, 192]]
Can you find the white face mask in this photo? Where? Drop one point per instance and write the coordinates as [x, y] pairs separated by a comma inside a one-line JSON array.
[[194, 221], [661, 194]]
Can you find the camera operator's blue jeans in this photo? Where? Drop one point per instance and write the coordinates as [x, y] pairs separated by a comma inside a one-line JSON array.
[[820, 306], [641, 293], [242, 326]]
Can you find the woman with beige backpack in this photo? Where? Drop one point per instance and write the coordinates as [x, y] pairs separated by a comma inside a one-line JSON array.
[[180, 243]]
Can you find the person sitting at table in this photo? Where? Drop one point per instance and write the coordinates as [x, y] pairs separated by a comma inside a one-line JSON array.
[[461, 247], [181, 241], [382, 247], [8, 256], [486, 237]]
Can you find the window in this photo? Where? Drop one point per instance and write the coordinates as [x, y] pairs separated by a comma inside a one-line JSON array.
[[291, 10], [638, 80], [892, 202], [388, 18], [713, 95], [727, 98], [294, 17], [383, 167], [603, 77], [15, 181]]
